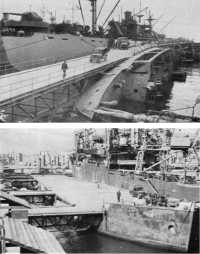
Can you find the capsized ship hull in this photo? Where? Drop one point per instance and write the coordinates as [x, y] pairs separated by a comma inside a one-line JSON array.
[[143, 78], [19, 53]]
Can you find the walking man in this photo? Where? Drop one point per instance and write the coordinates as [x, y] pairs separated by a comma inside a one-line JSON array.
[[64, 68], [118, 195]]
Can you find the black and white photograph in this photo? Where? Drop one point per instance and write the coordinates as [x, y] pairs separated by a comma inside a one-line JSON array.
[[99, 190], [99, 61], [99, 126]]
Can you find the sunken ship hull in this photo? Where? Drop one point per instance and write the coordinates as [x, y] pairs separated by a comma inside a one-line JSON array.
[[162, 227]]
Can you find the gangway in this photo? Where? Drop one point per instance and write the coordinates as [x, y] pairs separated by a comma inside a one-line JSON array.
[[43, 85]]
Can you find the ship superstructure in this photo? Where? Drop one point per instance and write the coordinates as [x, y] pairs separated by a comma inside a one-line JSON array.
[[153, 158]]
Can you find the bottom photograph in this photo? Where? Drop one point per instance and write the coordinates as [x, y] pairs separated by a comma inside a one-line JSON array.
[[99, 190]]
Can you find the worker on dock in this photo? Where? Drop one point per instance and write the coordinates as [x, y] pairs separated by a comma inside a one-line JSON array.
[[64, 68], [118, 196]]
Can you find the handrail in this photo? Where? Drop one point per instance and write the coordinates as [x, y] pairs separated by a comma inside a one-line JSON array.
[[35, 82], [6, 67]]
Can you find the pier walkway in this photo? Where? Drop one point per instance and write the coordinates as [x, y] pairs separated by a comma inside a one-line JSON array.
[[35, 92], [14, 85]]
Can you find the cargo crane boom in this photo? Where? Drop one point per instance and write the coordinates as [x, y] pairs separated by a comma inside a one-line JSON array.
[[81, 9], [111, 12], [165, 26], [100, 10]]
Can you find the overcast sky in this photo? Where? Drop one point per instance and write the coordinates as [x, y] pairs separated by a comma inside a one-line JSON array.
[[32, 141], [186, 23]]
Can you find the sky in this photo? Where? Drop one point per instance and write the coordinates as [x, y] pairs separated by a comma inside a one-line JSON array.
[[186, 22], [32, 141]]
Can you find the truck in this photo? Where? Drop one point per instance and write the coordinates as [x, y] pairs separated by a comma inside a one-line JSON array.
[[122, 43], [99, 55]]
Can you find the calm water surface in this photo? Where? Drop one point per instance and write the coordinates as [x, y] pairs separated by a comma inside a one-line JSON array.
[[177, 97], [97, 243]]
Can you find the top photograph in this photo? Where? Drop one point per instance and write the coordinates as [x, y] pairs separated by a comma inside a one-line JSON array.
[[99, 61]]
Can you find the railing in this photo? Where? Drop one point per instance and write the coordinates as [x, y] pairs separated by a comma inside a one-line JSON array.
[[141, 48], [46, 76], [7, 68]]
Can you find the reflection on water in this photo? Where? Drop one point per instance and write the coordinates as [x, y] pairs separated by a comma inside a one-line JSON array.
[[96, 243], [178, 95], [184, 94]]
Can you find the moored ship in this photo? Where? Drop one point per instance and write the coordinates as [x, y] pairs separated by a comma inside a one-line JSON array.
[[26, 44], [164, 208], [126, 163]]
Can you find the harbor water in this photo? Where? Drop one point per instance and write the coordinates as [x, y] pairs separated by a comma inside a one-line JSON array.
[[90, 241], [96, 243], [178, 97]]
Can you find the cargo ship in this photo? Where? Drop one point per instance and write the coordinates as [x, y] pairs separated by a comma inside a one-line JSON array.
[[120, 158], [162, 212], [32, 42]]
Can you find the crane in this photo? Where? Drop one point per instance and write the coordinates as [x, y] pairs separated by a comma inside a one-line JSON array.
[[194, 147], [52, 16], [73, 9], [150, 19], [111, 12], [166, 25], [81, 9], [100, 10]]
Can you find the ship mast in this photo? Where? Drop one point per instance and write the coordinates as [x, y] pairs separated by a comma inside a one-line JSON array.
[[94, 15]]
